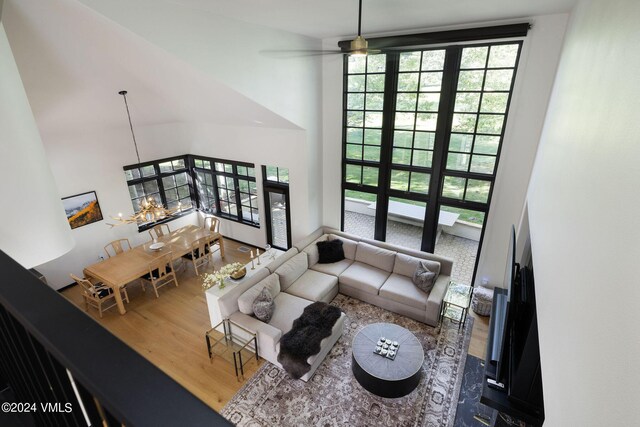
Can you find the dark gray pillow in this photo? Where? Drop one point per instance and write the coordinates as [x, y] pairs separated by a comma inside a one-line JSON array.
[[424, 278], [264, 305]]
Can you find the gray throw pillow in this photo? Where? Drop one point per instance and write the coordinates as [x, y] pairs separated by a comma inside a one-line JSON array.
[[424, 278], [264, 305]]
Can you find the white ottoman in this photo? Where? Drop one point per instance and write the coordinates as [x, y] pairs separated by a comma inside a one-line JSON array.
[[482, 300]]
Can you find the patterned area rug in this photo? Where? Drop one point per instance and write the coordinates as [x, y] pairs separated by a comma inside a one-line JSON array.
[[333, 397]]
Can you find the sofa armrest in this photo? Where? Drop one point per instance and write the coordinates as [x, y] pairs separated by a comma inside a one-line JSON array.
[[300, 245], [434, 301], [268, 336]]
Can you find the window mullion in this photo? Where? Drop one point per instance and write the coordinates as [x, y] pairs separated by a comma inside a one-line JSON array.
[[386, 143], [443, 126]]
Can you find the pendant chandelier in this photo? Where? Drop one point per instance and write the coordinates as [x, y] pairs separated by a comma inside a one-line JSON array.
[[150, 209]]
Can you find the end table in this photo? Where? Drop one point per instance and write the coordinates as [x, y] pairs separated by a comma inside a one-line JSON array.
[[230, 345], [455, 304]]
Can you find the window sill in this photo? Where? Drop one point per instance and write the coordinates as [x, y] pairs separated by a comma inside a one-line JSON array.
[[150, 225]]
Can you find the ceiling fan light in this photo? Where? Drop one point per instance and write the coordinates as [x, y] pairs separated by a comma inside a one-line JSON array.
[[359, 46]]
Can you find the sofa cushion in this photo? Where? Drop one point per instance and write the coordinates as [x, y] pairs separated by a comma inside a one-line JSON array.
[[312, 250], [291, 270], [263, 306], [335, 268], [374, 256], [407, 265], [401, 289], [313, 285], [273, 265], [245, 301], [446, 264], [288, 308], [364, 277], [330, 251], [349, 246]]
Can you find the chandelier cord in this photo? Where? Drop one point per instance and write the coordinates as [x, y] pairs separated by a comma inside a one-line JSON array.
[[135, 144]]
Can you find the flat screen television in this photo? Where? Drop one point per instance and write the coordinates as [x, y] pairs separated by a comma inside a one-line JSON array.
[[504, 307], [513, 353]]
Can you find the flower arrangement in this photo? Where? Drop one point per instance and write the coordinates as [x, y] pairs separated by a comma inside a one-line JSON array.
[[218, 277]]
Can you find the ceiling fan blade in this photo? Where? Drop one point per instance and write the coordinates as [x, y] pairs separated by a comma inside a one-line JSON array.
[[296, 53]]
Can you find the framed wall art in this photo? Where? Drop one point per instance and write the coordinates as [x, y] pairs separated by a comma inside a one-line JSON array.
[[82, 209]]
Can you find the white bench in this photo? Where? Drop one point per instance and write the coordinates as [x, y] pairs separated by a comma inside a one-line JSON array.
[[417, 213]]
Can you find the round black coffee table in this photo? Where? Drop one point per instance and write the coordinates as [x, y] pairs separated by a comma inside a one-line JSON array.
[[379, 375]]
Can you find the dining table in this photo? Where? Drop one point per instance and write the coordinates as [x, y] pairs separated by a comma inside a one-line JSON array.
[[127, 266]]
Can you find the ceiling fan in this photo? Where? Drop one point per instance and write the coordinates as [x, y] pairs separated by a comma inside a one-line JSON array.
[[360, 46], [357, 47]]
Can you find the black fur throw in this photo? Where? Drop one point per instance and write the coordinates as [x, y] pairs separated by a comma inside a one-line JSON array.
[[303, 340]]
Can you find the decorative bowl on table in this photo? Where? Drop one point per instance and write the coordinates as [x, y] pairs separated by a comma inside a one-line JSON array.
[[156, 246], [238, 274]]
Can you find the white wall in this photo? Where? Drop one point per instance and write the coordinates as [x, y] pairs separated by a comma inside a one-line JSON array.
[[534, 81], [583, 212], [89, 154], [33, 226], [259, 62], [71, 157], [261, 146], [79, 166]]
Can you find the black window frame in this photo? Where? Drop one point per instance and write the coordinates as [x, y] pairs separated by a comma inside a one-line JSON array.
[[236, 177], [451, 43], [281, 187], [157, 177]]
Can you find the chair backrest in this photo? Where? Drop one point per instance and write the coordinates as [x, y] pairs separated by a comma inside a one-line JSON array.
[[159, 231], [117, 246], [212, 223], [86, 285], [161, 266], [199, 248]]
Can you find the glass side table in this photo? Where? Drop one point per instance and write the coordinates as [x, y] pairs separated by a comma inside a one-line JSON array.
[[455, 304], [234, 344]]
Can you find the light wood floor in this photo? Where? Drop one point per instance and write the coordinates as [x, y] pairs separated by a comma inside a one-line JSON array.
[[169, 332]]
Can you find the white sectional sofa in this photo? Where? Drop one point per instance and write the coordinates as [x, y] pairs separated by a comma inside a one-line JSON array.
[[372, 271]]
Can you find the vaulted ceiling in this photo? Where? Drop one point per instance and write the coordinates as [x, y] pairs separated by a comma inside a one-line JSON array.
[[74, 55], [338, 18]]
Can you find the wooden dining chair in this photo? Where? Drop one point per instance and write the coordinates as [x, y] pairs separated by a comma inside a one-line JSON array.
[[161, 272], [97, 294], [213, 224], [200, 253], [159, 231], [117, 246]]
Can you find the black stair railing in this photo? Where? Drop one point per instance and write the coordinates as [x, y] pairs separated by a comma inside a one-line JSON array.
[[67, 370]]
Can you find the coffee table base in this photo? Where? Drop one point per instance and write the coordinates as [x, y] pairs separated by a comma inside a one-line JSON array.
[[384, 388]]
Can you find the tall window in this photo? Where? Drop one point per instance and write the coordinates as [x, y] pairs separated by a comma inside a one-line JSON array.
[[227, 188], [205, 185], [166, 181], [422, 137]]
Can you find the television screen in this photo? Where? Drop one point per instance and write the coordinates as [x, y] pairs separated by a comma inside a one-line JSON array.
[[510, 276]]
